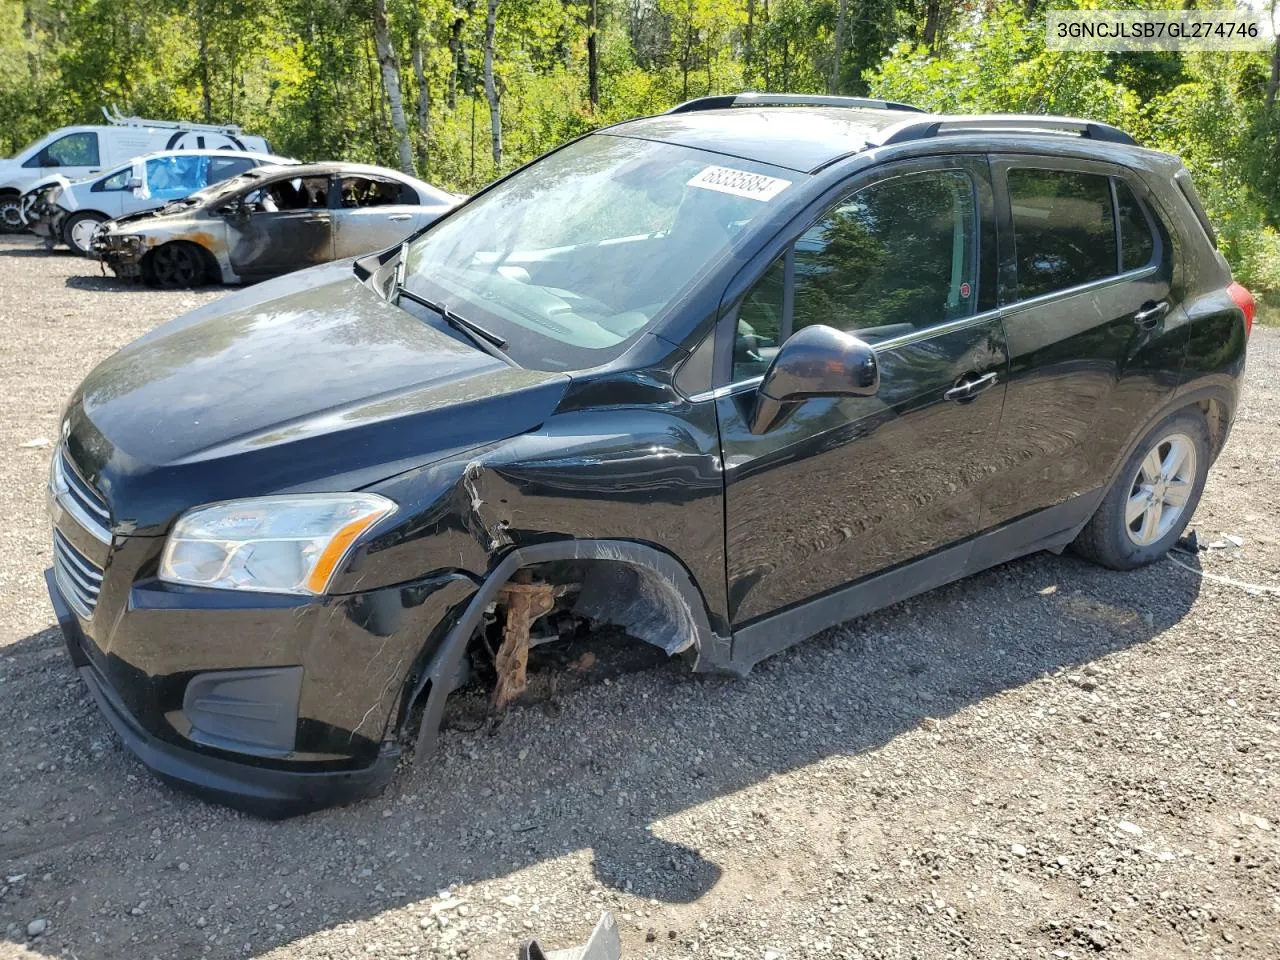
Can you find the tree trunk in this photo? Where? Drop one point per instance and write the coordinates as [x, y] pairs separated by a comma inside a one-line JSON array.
[[1273, 86], [391, 84], [455, 56], [424, 105], [842, 15], [748, 53], [202, 30], [766, 46], [491, 83], [593, 54]]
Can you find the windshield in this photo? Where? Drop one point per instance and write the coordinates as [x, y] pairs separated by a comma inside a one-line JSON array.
[[576, 256], [221, 192]]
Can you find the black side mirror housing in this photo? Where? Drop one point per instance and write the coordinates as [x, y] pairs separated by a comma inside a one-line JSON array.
[[817, 361]]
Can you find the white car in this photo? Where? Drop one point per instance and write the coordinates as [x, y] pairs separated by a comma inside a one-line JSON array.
[[62, 211], [88, 149]]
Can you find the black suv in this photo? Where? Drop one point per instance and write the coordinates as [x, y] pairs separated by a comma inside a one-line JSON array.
[[720, 378]]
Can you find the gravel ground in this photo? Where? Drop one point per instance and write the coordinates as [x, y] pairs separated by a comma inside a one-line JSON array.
[[1046, 760]]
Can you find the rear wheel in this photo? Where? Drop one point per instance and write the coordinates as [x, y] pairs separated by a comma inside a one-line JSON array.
[[11, 214], [176, 265], [1158, 490], [79, 230]]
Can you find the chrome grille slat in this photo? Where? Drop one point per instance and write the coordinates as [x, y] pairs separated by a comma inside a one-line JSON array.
[[79, 499], [77, 576], [79, 488]]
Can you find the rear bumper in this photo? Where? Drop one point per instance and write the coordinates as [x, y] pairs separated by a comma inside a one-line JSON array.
[[262, 791]]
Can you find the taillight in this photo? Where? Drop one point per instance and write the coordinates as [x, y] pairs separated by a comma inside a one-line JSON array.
[[1244, 300]]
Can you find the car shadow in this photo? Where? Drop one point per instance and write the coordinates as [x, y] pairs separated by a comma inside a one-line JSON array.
[[8, 250], [104, 283], [601, 774]]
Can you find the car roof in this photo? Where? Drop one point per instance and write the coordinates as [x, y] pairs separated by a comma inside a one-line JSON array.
[[805, 134], [798, 138]]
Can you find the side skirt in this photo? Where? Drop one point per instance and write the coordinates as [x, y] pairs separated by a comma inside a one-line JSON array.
[[1050, 529]]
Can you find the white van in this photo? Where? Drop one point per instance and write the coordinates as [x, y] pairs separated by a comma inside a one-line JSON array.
[[82, 151]]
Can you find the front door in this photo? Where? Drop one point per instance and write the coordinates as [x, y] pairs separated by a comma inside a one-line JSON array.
[[1096, 344], [284, 225], [846, 488]]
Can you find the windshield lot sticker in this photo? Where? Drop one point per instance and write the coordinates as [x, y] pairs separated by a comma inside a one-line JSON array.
[[753, 186]]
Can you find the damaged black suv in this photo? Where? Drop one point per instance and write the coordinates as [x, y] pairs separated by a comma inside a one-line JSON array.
[[721, 378]]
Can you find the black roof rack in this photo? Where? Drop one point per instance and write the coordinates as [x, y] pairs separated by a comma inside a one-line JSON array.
[[751, 99], [923, 129]]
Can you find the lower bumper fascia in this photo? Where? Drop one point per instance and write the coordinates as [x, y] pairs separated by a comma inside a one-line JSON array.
[[266, 792]]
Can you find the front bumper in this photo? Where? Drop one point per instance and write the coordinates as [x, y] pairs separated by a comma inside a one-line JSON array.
[[149, 713], [122, 253]]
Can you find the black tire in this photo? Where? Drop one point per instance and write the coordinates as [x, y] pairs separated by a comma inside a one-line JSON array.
[[1108, 539], [11, 214], [69, 230], [176, 265]]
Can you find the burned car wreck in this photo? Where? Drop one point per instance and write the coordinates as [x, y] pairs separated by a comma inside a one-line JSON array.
[[268, 222], [720, 378]]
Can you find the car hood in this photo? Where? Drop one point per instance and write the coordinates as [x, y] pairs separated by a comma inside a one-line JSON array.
[[313, 382]]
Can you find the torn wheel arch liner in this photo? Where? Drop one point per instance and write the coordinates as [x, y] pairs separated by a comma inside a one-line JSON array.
[[712, 650]]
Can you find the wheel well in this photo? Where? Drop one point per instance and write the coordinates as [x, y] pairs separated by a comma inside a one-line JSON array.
[[1215, 415], [211, 270], [9, 192], [645, 593]]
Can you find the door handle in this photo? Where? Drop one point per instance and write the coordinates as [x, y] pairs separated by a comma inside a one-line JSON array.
[[1151, 314], [967, 389], [316, 220], [401, 216]]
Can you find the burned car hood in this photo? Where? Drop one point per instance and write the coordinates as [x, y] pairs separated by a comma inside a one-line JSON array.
[[310, 383]]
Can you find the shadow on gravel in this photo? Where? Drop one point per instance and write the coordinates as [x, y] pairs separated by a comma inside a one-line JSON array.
[[601, 774], [104, 283], [13, 251]]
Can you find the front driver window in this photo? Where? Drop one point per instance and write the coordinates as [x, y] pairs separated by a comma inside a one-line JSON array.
[[73, 150], [896, 257]]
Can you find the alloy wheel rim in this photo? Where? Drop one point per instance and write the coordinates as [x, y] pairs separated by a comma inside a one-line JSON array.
[[174, 264], [82, 234], [1160, 489], [11, 213]]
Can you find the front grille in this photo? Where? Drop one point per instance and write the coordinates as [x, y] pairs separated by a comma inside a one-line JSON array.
[[78, 578], [79, 499]]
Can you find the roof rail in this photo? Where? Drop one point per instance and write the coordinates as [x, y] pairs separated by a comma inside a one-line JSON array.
[[117, 119], [751, 99], [923, 129]]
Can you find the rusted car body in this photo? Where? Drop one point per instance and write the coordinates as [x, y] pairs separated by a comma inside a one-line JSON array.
[[270, 221]]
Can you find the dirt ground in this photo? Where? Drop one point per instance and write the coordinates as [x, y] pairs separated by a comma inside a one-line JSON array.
[[1046, 760]]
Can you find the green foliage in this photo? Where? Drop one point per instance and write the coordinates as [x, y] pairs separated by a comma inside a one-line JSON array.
[[304, 74]]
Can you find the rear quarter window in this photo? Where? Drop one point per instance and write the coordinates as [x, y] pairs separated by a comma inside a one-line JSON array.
[[1064, 229]]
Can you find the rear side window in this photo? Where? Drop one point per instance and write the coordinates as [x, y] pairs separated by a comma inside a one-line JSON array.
[[1064, 231], [1137, 244], [367, 192], [224, 168]]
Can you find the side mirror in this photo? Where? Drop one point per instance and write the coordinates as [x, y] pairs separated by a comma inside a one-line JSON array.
[[134, 184], [817, 361]]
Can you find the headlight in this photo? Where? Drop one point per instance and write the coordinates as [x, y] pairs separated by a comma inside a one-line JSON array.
[[287, 544]]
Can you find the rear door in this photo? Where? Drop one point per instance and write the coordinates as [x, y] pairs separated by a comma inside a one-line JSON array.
[[846, 488], [1096, 345], [374, 213], [288, 226]]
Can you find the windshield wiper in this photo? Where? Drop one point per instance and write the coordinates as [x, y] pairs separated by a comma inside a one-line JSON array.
[[485, 339]]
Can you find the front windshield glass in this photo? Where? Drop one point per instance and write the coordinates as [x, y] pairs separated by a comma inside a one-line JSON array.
[[221, 192], [575, 257]]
